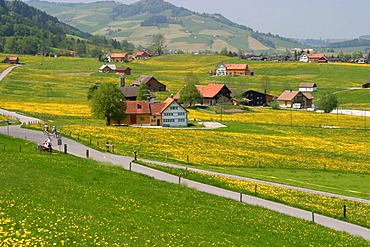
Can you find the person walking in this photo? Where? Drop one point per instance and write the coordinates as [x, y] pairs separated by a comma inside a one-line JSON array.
[[55, 131], [46, 128]]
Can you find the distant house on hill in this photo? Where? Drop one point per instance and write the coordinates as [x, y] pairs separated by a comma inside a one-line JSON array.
[[107, 68], [295, 99], [123, 70], [307, 87], [117, 57], [224, 69], [210, 93], [153, 84], [313, 58], [11, 60], [142, 55]]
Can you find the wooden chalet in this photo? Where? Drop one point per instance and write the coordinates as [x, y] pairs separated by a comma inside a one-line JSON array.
[[288, 98], [224, 69], [123, 71], [255, 98], [153, 84], [11, 60], [142, 55], [117, 57], [107, 68]]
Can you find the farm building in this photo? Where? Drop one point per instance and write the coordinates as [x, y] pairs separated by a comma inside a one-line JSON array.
[[224, 69], [255, 98], [290, 98], [307, 87], [11, 60], [153, 84], [166, 114]]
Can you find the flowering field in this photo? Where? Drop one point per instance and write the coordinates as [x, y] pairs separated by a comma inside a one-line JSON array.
[[63, 201], [268, 145]]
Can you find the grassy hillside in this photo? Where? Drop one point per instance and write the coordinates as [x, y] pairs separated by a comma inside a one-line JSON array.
[[185, 30], [57, 199], [55, 89]]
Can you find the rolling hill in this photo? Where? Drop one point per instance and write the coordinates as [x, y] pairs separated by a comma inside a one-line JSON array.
[[182, 28]]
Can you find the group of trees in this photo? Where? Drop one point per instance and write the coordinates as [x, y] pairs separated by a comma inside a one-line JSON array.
[[27, 30]]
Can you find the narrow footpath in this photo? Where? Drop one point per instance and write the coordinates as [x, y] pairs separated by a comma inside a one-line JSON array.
[[79, 150]]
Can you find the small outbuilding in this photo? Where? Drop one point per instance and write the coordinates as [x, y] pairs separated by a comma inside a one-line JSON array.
[[11, 60], [307, 87]]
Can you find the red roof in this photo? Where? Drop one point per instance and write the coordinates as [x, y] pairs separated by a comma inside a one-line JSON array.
[[141, 53], [236, 66], [137, 107], [316, 55], [156, 108], [118, 55], [210, 91], [12, 58]]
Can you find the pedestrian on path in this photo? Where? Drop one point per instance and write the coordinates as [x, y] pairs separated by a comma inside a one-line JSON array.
[[55, 131], [46, 128]]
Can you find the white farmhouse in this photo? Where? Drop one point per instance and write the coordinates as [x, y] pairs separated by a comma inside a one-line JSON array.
[[173, 114]]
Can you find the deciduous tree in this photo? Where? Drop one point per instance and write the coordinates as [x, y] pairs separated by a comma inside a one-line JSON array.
[[328, 102], [189, 94], [107, 102]]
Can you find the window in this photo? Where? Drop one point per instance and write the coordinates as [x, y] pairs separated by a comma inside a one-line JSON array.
[[181, 120], [174, 108], [168, 120], [168, 114], [139, 106], [181, 113]]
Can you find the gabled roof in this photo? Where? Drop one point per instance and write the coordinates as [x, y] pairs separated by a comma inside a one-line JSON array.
[[307, 85], [289, 95], [315, 55], [210, 91], [144, 79], [12, 58], [235, 66], [156, 108], [122, 69], [130, 92], [118, 55], [141, 53], [137, 107], [111, 66], [169, 101]]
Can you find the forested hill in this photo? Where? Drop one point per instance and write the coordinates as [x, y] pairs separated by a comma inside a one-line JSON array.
[[25, 29]]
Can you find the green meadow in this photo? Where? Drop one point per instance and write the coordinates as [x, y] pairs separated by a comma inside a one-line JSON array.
[[289, 147], [57, 199]]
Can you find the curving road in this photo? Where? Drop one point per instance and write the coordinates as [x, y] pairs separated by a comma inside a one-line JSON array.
[[126, 162], [7, 71]]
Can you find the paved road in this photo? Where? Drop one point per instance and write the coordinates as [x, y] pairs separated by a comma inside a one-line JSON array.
[[79, 150], [7, 71]]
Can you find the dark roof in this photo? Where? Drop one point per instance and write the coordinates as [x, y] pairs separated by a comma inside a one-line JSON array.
[[130, 92]]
